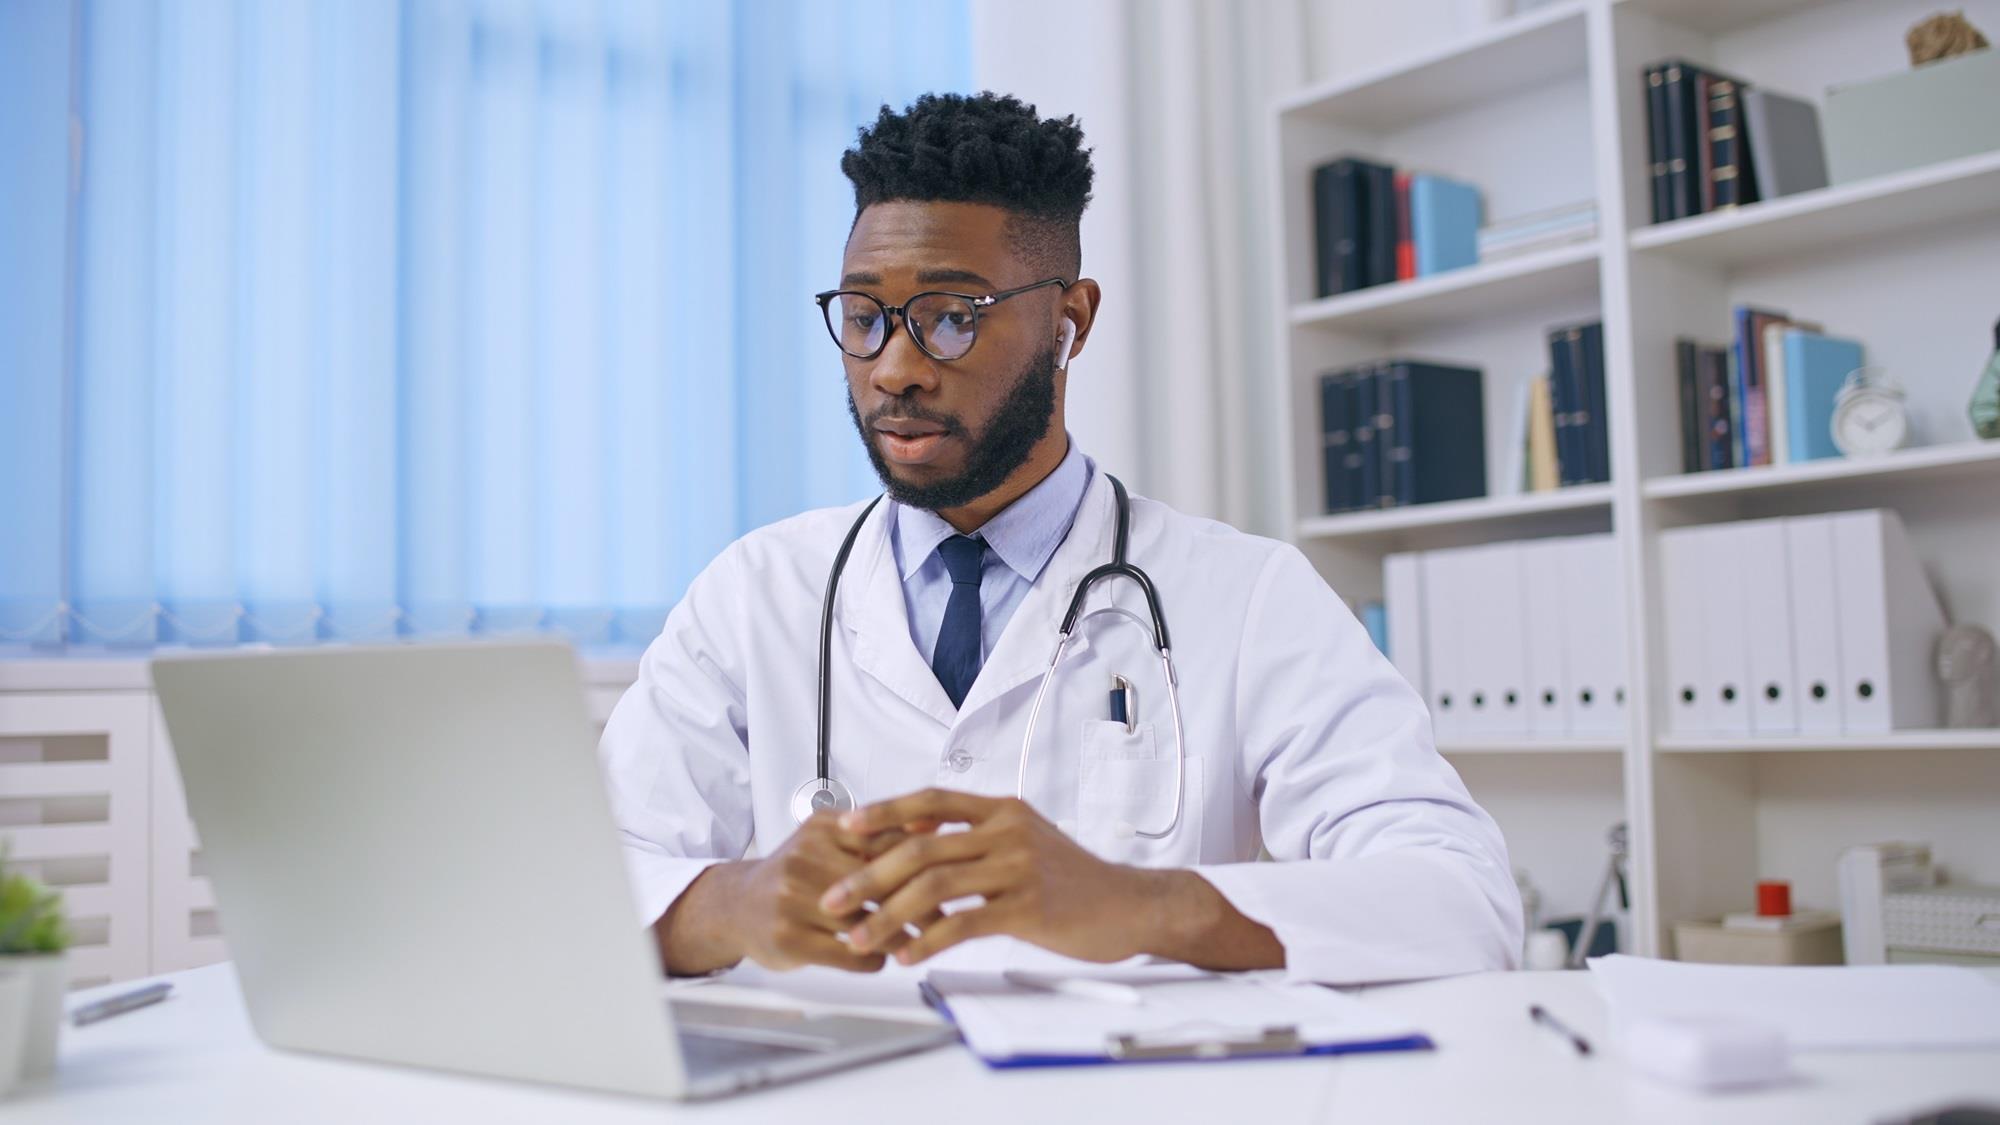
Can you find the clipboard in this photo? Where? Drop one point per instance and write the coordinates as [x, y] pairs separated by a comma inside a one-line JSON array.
[[1193, 1040]]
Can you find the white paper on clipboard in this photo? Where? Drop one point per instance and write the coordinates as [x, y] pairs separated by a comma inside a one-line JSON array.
[[1002, 1021]]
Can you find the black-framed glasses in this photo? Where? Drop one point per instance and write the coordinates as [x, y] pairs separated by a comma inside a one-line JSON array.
[[944, 325]]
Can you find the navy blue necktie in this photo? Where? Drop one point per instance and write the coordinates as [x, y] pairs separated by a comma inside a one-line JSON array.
[[956, 658]]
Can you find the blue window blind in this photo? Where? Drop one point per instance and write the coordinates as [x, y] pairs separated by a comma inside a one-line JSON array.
[[356, 319]]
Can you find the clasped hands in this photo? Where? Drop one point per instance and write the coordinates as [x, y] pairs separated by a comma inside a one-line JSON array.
[[852, 890]]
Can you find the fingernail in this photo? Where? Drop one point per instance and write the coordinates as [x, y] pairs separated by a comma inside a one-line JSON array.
[[902, 956], [835, 899], [853, 821]]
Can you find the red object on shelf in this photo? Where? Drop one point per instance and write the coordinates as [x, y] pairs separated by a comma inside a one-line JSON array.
[[1774, 898]]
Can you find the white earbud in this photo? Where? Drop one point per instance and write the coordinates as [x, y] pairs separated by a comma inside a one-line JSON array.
[[1062, 349]]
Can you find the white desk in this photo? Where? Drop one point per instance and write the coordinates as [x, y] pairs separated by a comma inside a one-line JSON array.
[[194, 1058]]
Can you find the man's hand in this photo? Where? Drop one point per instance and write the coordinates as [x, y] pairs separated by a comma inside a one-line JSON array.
[[1039, 885], [768, 909]]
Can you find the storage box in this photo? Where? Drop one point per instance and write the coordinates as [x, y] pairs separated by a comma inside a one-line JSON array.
[[1938, 111], [1709, 942], [1952, 918]]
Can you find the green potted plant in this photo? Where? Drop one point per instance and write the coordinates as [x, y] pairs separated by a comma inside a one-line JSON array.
[[33, 937]]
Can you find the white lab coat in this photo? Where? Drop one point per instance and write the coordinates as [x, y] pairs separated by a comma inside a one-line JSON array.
[[1300, 737]]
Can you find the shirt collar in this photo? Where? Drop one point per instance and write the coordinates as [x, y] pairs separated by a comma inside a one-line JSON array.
[[1024, 535]]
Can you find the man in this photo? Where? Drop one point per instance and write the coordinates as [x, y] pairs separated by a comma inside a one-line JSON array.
[[1130, 833]]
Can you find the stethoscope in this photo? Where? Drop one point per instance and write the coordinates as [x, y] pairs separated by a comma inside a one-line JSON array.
[[826, 793]]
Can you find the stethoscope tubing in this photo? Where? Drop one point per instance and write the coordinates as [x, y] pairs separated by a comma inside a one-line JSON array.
[[824, 783]]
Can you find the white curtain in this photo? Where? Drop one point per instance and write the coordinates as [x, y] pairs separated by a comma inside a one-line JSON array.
[[1176, 389]]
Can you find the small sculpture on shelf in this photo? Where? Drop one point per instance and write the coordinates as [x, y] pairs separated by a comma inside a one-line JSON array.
[[1942, 36], [1986, 396], [1971, 677]]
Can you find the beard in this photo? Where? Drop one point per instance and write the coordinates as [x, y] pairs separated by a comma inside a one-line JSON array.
[[1020, 423]]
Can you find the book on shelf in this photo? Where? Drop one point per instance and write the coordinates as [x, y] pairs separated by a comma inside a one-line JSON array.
[[1378, 236], [1753, 433], [1656, 141], [1444, 224], [1543, 230], [1732, 177], [1406, 432], [1366, 452], [1766, 398], [1533, 467], [1704, 140], [1776, 385], [1374, 224], [1576, 396], [1708, 426], [1338, 210], [1683, 187], [1785, 146], [1406, 251], [1816, 367], [1714, 141], [1543, 473], [1335, 433]]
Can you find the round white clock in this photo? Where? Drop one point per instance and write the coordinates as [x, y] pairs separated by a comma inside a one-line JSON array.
[[1869, 416]]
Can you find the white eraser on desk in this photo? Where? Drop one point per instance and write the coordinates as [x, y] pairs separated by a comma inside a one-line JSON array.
[[1706, 1053]]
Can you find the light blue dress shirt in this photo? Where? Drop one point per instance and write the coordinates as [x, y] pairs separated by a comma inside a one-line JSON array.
[[1021, 540]]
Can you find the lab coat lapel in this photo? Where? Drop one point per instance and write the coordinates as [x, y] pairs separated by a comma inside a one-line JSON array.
[[1023, 650], [873, 609]]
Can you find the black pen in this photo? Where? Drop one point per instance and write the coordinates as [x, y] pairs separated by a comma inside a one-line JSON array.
[[1541, 1016]]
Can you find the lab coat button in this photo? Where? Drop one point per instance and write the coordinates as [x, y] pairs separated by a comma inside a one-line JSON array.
[[960, 759]]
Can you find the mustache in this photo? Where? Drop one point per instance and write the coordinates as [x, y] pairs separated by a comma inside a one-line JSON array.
[[914, 412]]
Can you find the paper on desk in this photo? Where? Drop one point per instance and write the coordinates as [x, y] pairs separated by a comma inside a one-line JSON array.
[[1003, 1021], [1852, 1007]]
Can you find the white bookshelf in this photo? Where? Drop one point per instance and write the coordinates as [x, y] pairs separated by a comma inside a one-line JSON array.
[[1988, 740], [1515, 283], [1964, 462], [1546, 108], [1460, 746], [1402, 528]]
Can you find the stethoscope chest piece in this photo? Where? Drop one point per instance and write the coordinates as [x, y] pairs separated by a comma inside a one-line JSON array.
[[821, 794]]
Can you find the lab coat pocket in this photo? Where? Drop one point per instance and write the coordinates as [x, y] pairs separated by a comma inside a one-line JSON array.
[[1126, 787]]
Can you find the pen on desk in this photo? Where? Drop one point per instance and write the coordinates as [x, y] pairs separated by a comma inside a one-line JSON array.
[[1082, 988], [120, 1004], [1541, 1016]]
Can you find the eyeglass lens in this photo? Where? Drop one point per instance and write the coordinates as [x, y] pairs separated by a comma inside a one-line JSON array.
[[943, 324]]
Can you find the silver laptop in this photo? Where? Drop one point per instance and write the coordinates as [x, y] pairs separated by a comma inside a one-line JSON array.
[[414, 862]]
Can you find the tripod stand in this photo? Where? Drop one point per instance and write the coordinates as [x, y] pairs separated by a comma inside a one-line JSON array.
[[1614, 875]]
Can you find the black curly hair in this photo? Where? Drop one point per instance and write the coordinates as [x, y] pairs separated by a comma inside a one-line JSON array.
[[983, 148]]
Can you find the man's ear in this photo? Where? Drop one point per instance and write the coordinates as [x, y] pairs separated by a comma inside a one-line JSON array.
[[1079, 313]]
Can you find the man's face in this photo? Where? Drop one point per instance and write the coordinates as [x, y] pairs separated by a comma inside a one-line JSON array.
[[943, 434]]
